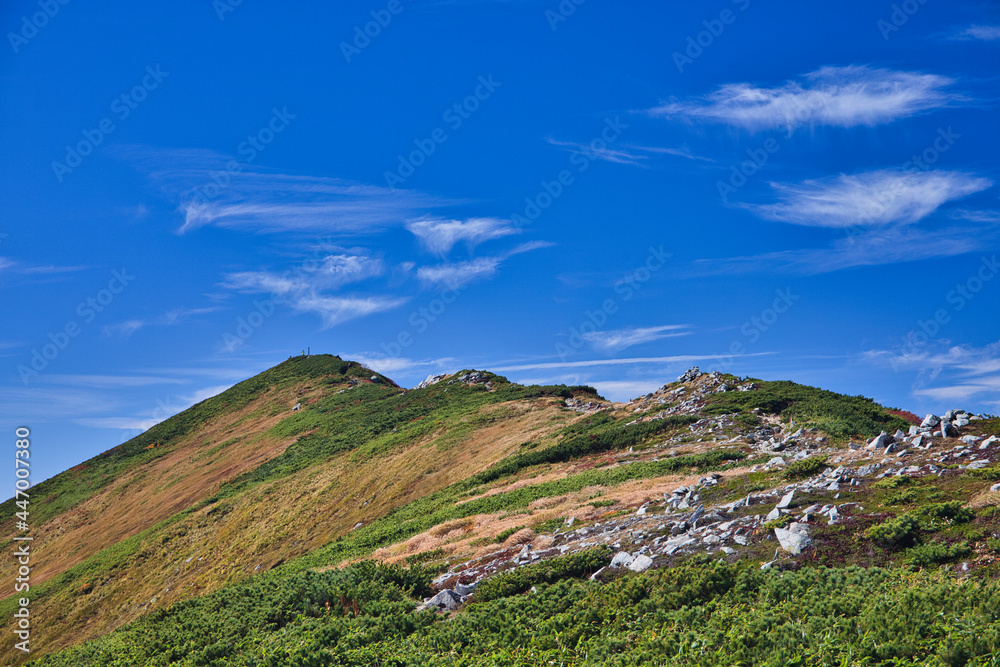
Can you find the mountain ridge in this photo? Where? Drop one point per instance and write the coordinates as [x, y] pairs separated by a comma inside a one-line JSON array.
[[244, 483]]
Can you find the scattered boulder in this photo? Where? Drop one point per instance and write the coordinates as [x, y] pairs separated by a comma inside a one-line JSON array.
[[446, 600], [641, 563], [930, 421], [791, 541], [622, 559], [786, 500]]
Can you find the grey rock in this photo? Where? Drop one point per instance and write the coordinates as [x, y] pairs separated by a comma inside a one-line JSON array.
[[879, 441], [464, 590], [622, 559], [641, 563], [930, 421], [446, 600], [786, 500]]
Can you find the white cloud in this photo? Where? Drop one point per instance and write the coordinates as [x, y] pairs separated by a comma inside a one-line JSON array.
[[629, 154], [329, 272], [388, 365], [455, 275], [602, 152], [305, 288], [170, 318], [458, 274], [875, 247], [336, 310], [983, 32], [956, 372], [620, 339], [109, 381], [684, 358], [878, 197], [260, 200], [439, 235], [164, 410], [837, 96]]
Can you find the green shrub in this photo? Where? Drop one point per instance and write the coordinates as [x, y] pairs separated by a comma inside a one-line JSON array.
[[893, 482], [747, 420], [806, 467], [836, 414], [896, 532], [522, 579], [934, 553]]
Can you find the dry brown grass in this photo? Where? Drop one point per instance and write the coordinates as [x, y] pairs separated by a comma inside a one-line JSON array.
[[272, 523]]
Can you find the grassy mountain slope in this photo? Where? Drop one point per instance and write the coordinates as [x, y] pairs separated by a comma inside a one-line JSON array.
[[231, 534]]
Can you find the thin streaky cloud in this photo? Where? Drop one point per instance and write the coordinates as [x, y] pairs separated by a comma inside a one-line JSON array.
[[457, 274], [876, 247], [259, 200], [686, 358], [604, 153], [987, 33], [170, 318], [683, 152], [848, 96], [619, 339], [110, 381], [334, 310]]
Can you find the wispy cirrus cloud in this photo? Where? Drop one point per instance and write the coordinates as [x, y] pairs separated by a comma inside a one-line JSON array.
[[987, 33], [683, 358], [170, 318], [389, 365], [256, 199], [836, 96], [439, 236], [879, 197], [308, 291], [619, 339], [875, 247], [630, 154], [457, 274], [602, 152], [948, 373]]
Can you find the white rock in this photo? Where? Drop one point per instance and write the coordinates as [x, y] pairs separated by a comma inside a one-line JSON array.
[[641, 563], [622, 559], [786, 500], [791, 542]]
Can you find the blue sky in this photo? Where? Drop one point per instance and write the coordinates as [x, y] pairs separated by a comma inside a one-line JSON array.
[[559, 192]]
